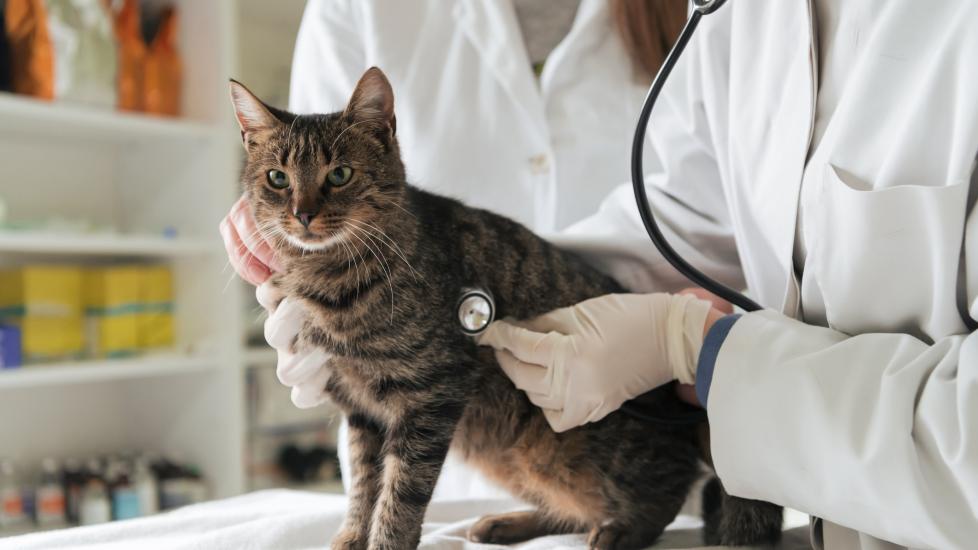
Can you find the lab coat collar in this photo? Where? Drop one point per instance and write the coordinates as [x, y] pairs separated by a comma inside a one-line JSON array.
[[493, 29], [590, 25]]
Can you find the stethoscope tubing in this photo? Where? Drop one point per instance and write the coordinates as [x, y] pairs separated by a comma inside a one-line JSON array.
[[696, 276]]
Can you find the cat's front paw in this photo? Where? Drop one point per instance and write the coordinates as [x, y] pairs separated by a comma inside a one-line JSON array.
[[349, 540]]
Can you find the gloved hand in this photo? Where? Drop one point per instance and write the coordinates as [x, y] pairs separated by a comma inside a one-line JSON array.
[[305, 372], [252, 258], [582, 362], [254, 261]]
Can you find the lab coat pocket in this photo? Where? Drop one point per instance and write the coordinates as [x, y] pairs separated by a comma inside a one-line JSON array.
[[886, 259]]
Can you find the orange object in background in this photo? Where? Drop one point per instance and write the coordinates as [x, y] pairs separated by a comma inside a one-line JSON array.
[[132, 57], [31, 50], [162, 86]]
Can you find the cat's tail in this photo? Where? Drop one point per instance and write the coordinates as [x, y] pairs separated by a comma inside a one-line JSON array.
[[733, 521]]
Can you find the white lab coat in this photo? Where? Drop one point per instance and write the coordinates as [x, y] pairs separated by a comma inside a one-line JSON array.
[[872, 423], [472, 120]]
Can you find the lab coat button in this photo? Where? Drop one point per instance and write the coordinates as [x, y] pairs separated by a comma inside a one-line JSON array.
[[540, 164]]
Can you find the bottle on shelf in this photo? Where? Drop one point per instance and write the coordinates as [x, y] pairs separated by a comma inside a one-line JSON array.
[[73, 481], [49, 497], [11, 501], [94, 507], [125, 499], [179, 484], [146, 489]]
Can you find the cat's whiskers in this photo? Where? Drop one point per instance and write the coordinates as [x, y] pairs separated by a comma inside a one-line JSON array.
[[388, 241], [384, 267], [362, 261], [288, 137], [275, 235], [375, 240], [380, 250], [345, 130], [350, 257], [394, 203], [381, 260], [241, 249], [227, 285]]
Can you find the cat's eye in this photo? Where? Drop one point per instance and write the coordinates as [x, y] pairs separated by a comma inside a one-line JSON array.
[[278, 179], [339, 176]]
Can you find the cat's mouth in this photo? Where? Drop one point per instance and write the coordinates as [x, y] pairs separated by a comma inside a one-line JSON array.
[[312, 242]]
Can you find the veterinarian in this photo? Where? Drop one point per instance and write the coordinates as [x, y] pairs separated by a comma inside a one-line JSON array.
[[821, 154]]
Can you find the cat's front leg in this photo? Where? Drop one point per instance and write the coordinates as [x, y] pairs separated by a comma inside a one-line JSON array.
[[366, 438], [413, 456]]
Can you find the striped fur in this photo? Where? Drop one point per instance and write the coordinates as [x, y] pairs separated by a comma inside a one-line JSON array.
[[379, 270]]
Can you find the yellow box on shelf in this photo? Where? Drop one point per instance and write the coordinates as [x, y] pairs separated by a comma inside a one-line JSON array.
[[156, 316], [46, 303], [129, 308], [112, 310]]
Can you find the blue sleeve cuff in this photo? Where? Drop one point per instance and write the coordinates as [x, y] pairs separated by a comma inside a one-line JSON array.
[[708, 355]]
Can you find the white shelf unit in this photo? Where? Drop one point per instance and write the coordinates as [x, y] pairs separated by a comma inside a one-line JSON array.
[[32, 117], [93, 371], [145, 176], [112, 245]]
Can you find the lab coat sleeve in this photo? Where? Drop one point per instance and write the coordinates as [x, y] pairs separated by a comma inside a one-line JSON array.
[[684, 181], [875, 432], [329, 56]]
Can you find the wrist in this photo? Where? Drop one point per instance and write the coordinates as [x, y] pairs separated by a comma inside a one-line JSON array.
[[711, 318]]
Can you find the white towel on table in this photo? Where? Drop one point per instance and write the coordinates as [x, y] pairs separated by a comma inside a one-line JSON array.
[[294, 520]]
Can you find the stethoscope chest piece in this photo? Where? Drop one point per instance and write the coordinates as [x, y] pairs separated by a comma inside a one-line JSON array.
[[476, 310]]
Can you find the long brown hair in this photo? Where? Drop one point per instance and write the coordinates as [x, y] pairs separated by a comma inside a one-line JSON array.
[[649, 28]]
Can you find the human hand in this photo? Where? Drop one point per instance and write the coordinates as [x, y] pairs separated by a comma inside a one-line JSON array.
[[250, 255], [582, 362], [304, 371]]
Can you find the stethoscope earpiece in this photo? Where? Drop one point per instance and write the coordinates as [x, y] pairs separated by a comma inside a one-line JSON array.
[[707, 6]]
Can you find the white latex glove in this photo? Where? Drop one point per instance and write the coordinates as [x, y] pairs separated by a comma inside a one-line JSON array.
[[582, 362], [305, 372]]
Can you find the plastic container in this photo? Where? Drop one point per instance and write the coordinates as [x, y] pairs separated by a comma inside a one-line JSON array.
[[11, 355]]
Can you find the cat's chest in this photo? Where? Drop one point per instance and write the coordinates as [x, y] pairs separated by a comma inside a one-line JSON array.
[[360, 387]]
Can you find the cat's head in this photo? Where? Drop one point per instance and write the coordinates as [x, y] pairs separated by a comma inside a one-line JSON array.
[[313, 179]]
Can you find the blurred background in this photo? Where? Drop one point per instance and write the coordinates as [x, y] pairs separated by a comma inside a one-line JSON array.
[[133, 373]]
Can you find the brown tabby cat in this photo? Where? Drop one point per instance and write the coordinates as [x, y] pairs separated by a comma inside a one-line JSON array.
[[379, 265]]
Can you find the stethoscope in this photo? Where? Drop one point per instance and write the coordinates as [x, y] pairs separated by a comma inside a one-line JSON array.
[[476, 307]]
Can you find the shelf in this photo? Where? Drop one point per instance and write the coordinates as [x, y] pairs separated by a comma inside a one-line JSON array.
[[80, 372], [291, 428], [102, 244], [260, 356], [22, 115]]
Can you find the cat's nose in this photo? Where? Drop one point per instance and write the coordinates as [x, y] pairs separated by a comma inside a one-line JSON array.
[[304, 217]]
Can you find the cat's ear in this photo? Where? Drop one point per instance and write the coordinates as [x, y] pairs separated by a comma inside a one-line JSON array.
[[253, 116], [373, 100]]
